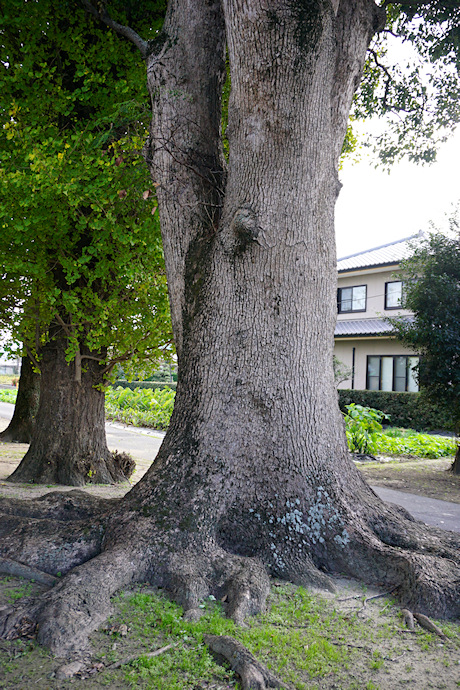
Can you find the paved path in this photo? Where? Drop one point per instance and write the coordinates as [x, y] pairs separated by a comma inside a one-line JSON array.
[[441, 514], [141, 443], [144, 443]]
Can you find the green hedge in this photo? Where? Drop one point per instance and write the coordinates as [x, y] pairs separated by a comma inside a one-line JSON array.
[[144, 384], [407, 410]]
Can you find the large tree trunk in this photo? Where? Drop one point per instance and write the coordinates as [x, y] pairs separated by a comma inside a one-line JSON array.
[[253, 476], [455, 467], [68, 444], [20, 428]]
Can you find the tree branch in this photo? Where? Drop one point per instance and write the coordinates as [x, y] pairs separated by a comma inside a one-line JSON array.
[[65, 327], [125, 31], [31, 356]]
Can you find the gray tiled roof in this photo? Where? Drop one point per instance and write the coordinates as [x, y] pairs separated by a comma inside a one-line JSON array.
[[362, 327], [391, 253]]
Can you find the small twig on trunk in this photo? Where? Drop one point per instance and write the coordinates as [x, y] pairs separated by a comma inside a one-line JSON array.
[[30, 354], [253, 674], [9, 567], [129, 659]]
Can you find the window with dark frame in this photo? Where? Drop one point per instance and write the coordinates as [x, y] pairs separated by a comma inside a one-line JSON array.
[[393, 294], [351, 299], [391, 373]]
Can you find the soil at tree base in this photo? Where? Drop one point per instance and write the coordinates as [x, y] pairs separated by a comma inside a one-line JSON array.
[[374, 649], [393, 659]]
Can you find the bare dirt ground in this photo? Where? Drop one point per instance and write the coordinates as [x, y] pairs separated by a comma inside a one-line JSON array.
[[378, 651], [418, 476]]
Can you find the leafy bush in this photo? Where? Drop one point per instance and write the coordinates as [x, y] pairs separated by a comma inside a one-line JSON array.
[[362, 425], [144, 384], [364, 435], [420, 445], [140, 407], [7, 395], [409, 410]]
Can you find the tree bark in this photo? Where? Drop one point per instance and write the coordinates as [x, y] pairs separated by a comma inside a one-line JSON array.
[[68, 444], [253, 477], [21, 426], [455, 467]]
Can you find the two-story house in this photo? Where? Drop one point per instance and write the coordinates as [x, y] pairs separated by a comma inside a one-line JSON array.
[[370, 289]]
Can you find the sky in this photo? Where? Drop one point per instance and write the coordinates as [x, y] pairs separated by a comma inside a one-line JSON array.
[[375, 207]]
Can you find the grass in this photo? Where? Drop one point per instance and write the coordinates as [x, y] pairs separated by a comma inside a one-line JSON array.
[[292, 639], [307, 640]]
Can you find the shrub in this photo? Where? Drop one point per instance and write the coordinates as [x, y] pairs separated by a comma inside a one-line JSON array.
[[7, 395], [140, 407], [362, 425], [420, 445], [144, 384], [404, 409]]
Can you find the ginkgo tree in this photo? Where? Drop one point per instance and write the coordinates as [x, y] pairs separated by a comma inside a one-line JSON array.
[[81, 251]]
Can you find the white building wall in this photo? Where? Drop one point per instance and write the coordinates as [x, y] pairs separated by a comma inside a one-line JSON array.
[[375, 280], [343, 350]]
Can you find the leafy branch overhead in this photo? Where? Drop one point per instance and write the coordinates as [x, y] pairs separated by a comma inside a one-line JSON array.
[[81, 246], [411, 78]]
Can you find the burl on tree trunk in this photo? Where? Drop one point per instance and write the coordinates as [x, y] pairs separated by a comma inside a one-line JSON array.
[[253, 477], [21, 426], [68, 444]]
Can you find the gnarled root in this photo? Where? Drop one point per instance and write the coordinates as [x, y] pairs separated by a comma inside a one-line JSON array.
[[378, 545], [76, 606], [253, 674], [16, 569], [55, 532], [203, 568], [65, 506]]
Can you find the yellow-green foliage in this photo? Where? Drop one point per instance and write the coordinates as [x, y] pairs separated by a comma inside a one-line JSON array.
[[141, 406], [79, 243]]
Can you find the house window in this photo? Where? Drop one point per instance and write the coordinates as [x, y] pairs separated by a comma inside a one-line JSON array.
[[393, 294], [351, 299], [391, 373]]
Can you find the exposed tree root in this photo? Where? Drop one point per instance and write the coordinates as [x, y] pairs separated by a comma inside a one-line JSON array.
[[110, 549], [426, 623], [76, 606], [408, 619], [58, 505], [9, 567], [51, 546], [253, 674]]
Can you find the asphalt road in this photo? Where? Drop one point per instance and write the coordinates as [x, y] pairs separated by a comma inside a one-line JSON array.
[[144, 443], [441, 514], [141, 443]]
